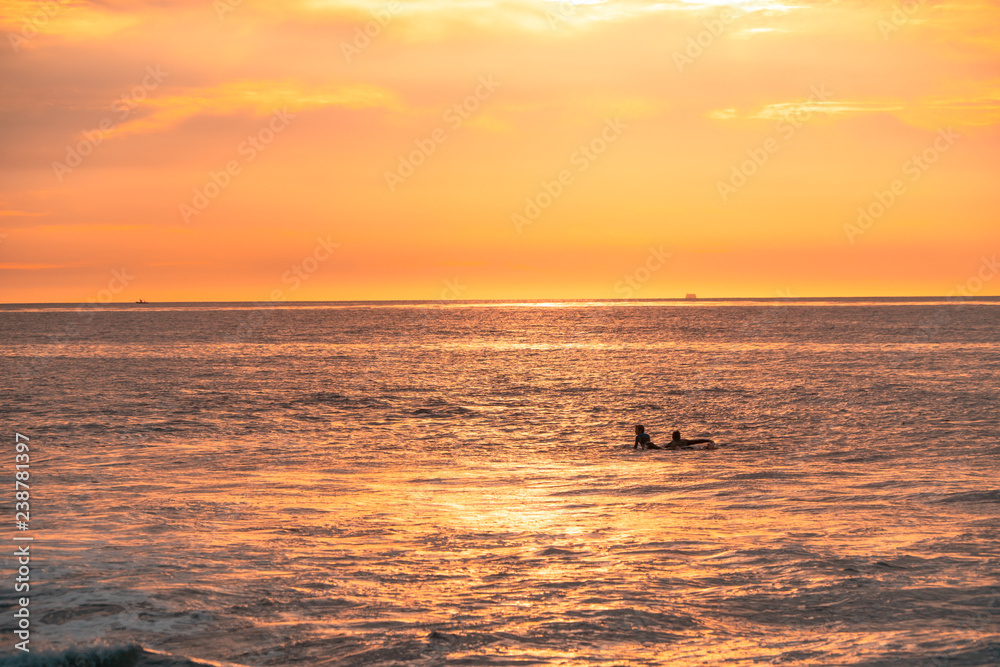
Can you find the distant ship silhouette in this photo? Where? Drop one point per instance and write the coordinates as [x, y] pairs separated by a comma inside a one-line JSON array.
[[141, 301], [690, 296]]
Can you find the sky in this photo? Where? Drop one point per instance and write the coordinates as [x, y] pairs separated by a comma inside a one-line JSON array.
[[255, 150]]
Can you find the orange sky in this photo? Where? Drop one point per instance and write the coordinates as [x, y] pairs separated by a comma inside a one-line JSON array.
[[254, 150]]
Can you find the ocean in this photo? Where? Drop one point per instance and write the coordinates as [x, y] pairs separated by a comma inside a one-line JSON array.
[[454, 483]]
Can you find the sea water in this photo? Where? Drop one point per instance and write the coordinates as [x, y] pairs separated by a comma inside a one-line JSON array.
[[455, 483]]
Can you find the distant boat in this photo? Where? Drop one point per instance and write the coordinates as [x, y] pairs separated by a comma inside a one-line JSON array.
[[691, 296], [141, 301]]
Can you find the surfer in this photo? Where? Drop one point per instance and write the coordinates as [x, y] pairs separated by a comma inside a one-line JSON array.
[[677, 442], [642, 439]]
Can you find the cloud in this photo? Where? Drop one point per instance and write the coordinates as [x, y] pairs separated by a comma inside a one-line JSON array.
[[932, 112], [20, 214], [256, 98], [34, 267], [785, 110]]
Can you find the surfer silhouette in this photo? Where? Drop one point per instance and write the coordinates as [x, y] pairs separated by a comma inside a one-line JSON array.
[[677, 442], [642, 439]]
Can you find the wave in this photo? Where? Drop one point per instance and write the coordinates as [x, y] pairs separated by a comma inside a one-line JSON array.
[[132, 655], [336, 400], [972, 497]]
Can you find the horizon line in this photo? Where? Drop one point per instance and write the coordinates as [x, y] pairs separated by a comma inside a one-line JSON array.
[[955, 298]]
